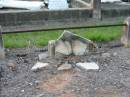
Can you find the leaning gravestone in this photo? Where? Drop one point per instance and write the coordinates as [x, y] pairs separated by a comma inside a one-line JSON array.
[[72, 44]]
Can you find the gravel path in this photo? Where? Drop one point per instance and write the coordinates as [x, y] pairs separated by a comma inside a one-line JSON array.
[[112, 80]]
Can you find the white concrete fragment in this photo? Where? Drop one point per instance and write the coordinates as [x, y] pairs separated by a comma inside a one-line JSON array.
[[31, 5], [39, 65], [58, 4], [64, 67], [88, 66]]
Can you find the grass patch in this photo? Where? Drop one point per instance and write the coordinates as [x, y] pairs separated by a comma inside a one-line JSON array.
[[42, 38]]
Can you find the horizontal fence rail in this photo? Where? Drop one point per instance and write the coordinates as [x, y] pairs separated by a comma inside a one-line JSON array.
[[64, 28]]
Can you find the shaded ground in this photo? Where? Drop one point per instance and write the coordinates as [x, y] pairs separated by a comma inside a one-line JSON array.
[[112, 80]]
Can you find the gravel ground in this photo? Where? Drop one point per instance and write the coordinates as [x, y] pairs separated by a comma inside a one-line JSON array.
[[111, 80]]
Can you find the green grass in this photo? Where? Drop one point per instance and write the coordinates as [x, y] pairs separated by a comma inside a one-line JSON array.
[[42, 38]]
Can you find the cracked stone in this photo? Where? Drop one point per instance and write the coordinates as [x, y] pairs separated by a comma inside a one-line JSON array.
[[69, 43]]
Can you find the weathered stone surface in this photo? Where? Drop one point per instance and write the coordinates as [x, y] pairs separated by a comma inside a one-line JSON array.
[[69, 43], [79, 48], [88, 66], [39, 65], [65, 67], [63, 47], [42, 56]]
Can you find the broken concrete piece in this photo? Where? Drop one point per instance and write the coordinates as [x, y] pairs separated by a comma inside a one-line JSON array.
[[69, 43], [65, 67], [79, 48], [39, 65], [88, 66], [42, 56], [63, 47], [51, 48], [31, 5]]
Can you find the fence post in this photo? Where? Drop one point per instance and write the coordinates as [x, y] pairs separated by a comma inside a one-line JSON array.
[[125, 39], [96, 6], [2, 52]]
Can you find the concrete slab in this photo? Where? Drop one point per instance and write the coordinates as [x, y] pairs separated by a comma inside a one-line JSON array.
[[88, 66]]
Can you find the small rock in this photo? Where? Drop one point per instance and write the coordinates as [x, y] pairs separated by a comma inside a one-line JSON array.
[[65, 67], [115, 54], [42, 56], [106, 55], [39, 65], [11, 64], [41, 95], [22, 91], [88, 66], [30, 84]]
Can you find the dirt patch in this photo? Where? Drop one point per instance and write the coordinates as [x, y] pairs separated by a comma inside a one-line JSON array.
[[108, 92], [68, 95], [57, 82]]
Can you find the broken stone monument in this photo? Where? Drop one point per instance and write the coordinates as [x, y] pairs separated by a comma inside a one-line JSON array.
[[70, 44]]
